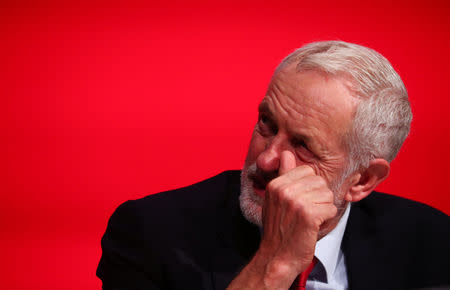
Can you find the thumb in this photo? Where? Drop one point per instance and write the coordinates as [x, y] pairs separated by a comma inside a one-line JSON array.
[[287, 162]]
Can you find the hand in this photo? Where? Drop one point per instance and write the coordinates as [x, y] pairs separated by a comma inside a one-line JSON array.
[[297, 203]]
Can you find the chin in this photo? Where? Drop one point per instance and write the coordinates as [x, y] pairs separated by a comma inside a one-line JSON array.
[[251, 203]]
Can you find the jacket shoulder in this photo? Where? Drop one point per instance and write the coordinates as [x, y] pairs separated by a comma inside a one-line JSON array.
[[195, 199], [386, 206], [396, 233], [402, 217], [147, 237], [174, 215]]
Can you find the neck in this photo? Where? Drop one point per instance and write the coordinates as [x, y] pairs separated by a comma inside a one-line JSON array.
[[330, 224]]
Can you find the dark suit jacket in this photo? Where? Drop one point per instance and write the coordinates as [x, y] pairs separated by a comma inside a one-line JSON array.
[[196, 238]]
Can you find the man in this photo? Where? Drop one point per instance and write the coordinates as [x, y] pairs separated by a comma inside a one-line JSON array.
[[333, 118]]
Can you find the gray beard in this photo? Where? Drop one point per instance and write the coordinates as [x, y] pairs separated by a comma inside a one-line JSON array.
[[251, 203]]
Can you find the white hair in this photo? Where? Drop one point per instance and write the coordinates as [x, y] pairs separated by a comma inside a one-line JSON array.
[[383, 115]]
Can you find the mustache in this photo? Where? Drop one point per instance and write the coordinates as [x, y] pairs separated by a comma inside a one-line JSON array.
[[259, 177]]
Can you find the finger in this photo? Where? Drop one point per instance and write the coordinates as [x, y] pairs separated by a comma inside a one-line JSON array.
[[326, 211], [287, 162], [298, 173], [311, 193]]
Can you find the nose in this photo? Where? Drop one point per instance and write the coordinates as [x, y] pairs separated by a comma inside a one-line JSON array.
[[269, 160]]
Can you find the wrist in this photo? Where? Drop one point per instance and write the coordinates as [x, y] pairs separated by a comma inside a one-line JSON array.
[[275, 272]]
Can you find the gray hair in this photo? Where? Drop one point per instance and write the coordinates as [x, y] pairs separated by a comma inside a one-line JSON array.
[[383, 115]]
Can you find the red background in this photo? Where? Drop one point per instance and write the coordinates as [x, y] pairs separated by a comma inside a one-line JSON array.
[[106, 102]]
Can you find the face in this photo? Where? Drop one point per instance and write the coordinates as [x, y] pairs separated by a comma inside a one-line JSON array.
[[307, 113]]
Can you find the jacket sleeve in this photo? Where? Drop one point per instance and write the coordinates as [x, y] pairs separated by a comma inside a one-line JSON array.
[[125, 262]]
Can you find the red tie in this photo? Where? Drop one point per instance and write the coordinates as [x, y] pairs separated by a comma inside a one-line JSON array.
[[301, 281]]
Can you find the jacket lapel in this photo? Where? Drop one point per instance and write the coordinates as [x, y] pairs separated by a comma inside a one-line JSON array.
[[368, 264], [358, 245]]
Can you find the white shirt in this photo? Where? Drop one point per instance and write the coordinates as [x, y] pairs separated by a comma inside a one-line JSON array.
[[330, 272]]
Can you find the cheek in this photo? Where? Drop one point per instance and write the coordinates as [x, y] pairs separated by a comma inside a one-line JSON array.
[[329, 170], [256, 147]]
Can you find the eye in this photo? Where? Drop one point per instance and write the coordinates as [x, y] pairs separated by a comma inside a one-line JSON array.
[[302, 150], [266, 126], [299, 143]]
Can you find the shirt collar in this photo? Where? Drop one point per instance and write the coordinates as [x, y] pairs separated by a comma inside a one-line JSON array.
[[328, 248]]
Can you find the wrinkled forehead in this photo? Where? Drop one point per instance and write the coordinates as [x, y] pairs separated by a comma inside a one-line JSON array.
[[314, 87], [311, 99], [344, 77]]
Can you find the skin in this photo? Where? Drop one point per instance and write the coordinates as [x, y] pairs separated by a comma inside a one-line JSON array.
[[298, 151]]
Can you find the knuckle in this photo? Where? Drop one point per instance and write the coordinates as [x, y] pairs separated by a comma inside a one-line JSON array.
[[286, 192], [316, 181], [299, 206], [308, 170], [307, 212], [272, 186], [320, 181], [294, 204], [329, 195], [332, 211]]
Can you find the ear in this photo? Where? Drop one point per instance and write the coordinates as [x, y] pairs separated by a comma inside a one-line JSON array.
[[362, 183]]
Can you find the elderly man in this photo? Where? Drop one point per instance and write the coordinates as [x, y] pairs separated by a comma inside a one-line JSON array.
[[334, 115]]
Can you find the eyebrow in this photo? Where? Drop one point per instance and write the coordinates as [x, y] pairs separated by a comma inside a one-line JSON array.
[[264, 108]]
